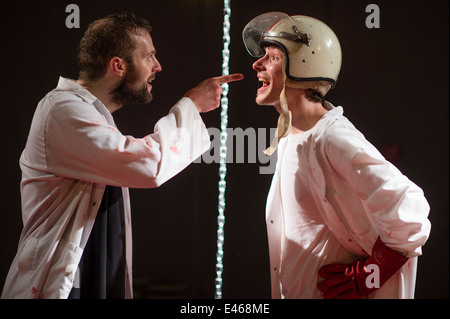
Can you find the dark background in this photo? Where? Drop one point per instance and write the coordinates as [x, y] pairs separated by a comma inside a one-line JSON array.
[[393, 87]]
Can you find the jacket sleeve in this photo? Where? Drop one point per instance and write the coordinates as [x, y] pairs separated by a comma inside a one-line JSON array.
[[395, 205], [81, 144]]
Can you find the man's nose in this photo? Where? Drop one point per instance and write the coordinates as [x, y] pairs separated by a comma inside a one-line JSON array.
[[156, 66], [258, 65]]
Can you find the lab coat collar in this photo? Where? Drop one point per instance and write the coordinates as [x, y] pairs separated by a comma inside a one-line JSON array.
[[65, 84], [72, 86], [327, 119]]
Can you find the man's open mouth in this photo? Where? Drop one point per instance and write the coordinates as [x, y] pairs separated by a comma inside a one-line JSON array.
[[263, 83]]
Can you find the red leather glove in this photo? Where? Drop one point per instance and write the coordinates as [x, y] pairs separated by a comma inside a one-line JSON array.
[[348, 281]]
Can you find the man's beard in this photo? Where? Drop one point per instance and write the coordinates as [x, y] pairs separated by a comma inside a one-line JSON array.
[[123, 94]]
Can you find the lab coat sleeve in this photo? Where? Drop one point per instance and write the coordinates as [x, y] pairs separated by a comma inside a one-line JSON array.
[[394, 204], [80, 144]]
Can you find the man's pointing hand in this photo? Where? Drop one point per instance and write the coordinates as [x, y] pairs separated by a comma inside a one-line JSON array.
[[206, 95]]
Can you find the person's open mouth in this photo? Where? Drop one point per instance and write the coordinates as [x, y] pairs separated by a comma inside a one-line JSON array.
[[264, 84], [149, 84]]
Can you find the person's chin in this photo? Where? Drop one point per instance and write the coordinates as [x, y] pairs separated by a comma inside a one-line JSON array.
[[263, 99], [260, 99]]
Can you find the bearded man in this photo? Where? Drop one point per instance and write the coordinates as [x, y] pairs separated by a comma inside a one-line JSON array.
[[77, 166]]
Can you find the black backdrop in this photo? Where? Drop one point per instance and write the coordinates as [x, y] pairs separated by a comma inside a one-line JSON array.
[[393, 87]]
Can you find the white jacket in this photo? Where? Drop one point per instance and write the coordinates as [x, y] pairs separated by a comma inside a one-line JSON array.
[[360, 196], [73, 150]]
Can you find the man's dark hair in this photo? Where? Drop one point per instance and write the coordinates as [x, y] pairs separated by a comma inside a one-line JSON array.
[[314, 96], [106, 38]]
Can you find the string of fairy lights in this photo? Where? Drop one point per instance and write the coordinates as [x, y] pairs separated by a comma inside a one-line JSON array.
[[223, 150]]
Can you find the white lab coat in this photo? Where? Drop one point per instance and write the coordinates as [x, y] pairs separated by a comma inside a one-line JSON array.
[[359, 196], [73, 150]]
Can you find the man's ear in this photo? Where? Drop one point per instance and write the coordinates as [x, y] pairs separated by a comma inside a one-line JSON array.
[[118, 66]]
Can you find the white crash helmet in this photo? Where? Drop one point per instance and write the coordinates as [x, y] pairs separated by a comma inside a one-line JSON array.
[[312, 53], [312, 50]]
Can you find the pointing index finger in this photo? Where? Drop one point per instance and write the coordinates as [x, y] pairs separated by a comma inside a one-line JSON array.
[[229, 78]]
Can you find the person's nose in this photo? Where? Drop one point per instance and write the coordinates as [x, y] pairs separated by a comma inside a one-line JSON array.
[[156, 66], [258, 65]]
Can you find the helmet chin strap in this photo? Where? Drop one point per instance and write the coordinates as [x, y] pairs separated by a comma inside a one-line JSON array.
[[284, 121]]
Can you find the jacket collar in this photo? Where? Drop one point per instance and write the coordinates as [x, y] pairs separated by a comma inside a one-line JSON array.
[[69, 85], [72, 86], [326, 120]]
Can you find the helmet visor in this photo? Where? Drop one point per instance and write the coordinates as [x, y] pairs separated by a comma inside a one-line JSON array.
[[256, 30]]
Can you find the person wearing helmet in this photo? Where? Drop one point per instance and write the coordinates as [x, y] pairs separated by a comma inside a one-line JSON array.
[[342, 222]]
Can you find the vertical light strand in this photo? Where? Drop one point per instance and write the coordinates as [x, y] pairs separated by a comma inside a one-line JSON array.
[[223, 150]]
